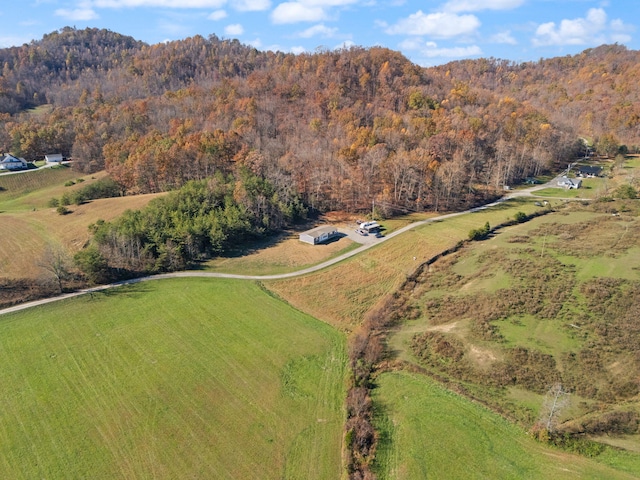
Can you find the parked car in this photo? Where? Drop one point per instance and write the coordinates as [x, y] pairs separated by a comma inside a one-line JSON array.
[[361, 231]]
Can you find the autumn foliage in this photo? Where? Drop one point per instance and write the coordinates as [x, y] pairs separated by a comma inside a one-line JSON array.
[[343, 128]]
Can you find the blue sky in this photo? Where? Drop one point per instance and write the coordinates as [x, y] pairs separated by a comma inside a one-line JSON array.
[[429, 32]]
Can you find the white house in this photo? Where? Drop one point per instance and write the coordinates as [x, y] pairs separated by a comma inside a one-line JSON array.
[[570, 183], [9, 162], [55, 158], [319, 234]]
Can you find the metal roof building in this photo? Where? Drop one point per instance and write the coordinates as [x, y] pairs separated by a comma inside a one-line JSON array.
[[319, 234]]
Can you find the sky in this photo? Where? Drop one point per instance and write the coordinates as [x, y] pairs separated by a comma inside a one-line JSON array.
[[428, 32]]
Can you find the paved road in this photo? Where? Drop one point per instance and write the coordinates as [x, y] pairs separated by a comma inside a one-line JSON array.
[[370, 242]]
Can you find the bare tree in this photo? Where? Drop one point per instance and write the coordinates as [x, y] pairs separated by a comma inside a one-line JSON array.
[[555, 401], [55, 260]]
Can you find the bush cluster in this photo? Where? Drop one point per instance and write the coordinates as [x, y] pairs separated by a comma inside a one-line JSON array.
[[480, 233]]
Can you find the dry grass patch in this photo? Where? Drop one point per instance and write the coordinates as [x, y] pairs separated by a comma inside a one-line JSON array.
[[277, 255], [26, 234]]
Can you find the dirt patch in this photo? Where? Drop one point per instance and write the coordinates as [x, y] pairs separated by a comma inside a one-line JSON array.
[[445, 328], [481, 356]]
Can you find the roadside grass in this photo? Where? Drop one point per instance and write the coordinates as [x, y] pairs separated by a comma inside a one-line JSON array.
[[429, 432], [179, 378], [343, 294], [279, 254]]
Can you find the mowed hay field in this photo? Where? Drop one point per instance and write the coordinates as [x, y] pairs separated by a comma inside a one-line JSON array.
[[430, 432], [28, 226], [177, 378]]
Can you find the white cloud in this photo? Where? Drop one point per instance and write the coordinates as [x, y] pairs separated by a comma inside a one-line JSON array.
[[433, 51], [9, 41], [234, 29], [413, 43], [293, 12], [327, 3], [345, 45], [251, 5], [318, 30], [160, 3], [77, 14], [438, 25], [478, 5], [589, 30], [297, 50], [503, 37], [217, 15]]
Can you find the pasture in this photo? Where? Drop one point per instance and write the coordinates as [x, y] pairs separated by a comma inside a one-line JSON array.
[[543, 288], [429, 432], [178, 378]]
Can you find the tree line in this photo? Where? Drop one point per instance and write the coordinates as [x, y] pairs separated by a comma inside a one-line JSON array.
[[202, 219]]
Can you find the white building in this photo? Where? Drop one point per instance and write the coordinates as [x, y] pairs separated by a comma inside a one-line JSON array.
[[9, 162], [319, 234]]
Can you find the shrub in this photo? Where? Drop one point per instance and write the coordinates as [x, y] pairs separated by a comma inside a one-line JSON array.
[[62, 210], [53, 203], [626, 191], [69, 183], [520, 217], [480, 233]]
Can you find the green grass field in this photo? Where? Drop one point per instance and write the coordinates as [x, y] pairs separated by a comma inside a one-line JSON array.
[[187, 378], [428, 432]]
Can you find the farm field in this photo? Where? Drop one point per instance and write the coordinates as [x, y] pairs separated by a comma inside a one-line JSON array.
[[181, 378], [430, 432]]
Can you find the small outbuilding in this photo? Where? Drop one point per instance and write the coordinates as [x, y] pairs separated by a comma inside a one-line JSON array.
[[319, 234], [54, 158]]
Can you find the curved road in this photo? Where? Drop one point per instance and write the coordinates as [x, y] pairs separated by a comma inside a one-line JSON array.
[[304, 271]]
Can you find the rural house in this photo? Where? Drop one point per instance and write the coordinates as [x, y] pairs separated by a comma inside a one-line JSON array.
[[588, 170], [9, 162], [570, 183], [318, 234], [54, 158]]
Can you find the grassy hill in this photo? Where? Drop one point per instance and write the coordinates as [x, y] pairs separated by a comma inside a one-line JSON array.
[[428, 432], [29, 225], [171, 379]]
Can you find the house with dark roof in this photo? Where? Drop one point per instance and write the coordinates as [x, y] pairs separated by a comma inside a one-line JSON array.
[[588, 170], [9, 162]]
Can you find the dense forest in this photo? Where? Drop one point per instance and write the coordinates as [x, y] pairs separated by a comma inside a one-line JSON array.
[[342, 128]]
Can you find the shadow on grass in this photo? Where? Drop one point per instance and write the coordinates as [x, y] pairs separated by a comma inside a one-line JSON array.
[[135, 289]]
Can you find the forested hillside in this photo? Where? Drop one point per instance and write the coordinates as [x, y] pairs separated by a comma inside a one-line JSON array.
[[341, 128]]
